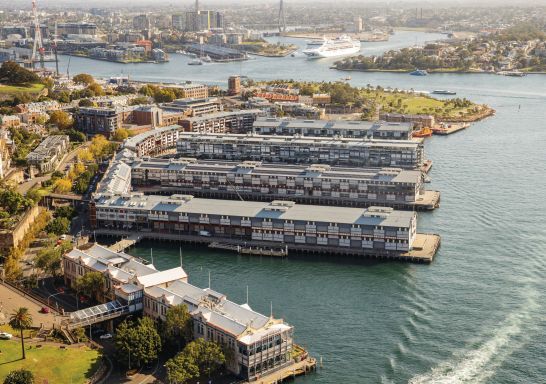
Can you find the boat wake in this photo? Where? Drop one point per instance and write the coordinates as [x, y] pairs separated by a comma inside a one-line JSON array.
[[477, 365]]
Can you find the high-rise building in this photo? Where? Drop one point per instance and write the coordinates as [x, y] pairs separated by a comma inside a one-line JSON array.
[[141, 22], [204, 20], [177, 21], [358, 24], [234, 85]]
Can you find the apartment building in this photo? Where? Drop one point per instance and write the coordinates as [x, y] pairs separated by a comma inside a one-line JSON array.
[[194, 106], [45, 157], [404, 154], [222, 122], [102, 120], [337, 230], [318, 184], [334, 128]]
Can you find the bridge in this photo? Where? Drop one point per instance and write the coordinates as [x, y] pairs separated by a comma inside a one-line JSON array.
[[97, 314]]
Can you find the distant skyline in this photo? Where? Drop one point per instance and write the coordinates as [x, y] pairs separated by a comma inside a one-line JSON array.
[[219, 3]]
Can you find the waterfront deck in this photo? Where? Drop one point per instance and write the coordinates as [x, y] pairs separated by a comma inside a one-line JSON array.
[[452, 128], [299, 368], [125, 243], [249, 250], [429, 201], [424, 247], [427, 165]]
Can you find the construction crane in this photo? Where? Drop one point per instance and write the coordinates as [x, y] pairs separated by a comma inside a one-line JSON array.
[[37, 47]]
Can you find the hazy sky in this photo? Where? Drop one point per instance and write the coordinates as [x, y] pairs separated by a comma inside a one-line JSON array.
[[185, 3]]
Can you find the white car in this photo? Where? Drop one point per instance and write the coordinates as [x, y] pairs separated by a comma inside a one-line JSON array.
[[106, 336], [5, 335]]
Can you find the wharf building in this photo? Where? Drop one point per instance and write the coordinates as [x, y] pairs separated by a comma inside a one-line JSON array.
[[261, 345], [317, 184], [48, 154], [377, 231], [334, 128], [404, 154]]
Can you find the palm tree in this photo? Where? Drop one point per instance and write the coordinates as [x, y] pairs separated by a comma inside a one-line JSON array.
[[21, 320]]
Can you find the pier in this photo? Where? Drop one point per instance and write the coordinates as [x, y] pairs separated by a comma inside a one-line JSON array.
[[424, 247], [125, 243], [448, 129], [249, 250]]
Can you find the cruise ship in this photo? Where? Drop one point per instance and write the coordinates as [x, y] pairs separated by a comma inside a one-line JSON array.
[[340, 46]]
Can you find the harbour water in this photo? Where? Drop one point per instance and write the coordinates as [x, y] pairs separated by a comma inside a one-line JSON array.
[[476, 314]]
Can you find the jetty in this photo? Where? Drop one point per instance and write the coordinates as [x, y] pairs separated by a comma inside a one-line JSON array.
[[448, 129], [125, 242], [250, 250]]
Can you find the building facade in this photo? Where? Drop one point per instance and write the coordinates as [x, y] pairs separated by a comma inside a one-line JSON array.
[[334, 128], [47, 155], [375, 230], [260, 344], [290, 149], [318, 184]]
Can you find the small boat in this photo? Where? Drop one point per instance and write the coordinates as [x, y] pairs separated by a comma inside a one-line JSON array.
[[423, 132], [419, 72], [443, 92], [511, 73], [180, 51], [196, 62], [427, 179], [206, 59], [347, 78]]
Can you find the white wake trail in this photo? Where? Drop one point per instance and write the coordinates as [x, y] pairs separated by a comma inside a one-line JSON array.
[[477, 365]]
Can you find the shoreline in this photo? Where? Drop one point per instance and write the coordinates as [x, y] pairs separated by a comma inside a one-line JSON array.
[[115, 61], [430, 72]]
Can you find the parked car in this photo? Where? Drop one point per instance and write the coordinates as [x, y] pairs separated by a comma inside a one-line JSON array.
[[63, 237], [106, 336], [5, 335], [44, 310]]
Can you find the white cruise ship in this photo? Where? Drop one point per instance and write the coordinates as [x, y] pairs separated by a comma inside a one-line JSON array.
[[340, 46]]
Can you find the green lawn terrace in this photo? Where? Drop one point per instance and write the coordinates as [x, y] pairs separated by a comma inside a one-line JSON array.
[[50, 362]]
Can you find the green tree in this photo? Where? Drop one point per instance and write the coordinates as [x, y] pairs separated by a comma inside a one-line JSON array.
[[58, 226], [60, 119], [19, 376], [13, 73], [13, 202], [48, 260], [139, 343], [83, 78], [178, 325], [120, 134], [207, 354], [21, 320], [67, 211], [96, 89], [181, 368], [92, 284], [85, 103]]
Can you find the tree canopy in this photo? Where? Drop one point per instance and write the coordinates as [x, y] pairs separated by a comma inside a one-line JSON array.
[[137, 343], [19, 376], [83, 78], [61, 119], [58, 226], [13, 74], [91, 283], [177, 327], [20, 320], [207, 356]]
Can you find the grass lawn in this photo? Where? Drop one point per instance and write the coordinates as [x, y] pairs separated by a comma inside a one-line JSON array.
[[70, 365], [32, 88], [14, 332], [416, 104]]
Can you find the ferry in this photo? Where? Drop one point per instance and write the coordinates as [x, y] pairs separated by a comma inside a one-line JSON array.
[[340, 46], [419, 72], [443, 92]]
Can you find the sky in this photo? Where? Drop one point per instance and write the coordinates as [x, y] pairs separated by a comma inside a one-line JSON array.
[[184, 3]]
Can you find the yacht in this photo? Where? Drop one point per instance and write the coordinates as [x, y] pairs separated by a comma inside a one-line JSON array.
[[443, 92], [419, 72], [340, 46], [195, 62]]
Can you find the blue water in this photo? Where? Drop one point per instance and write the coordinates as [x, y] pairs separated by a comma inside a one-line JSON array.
[[476, 314]]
